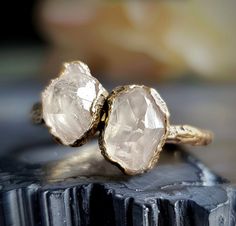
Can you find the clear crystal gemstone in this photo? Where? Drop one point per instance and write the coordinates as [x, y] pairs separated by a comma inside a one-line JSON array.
[[135, 127], [71, 101]]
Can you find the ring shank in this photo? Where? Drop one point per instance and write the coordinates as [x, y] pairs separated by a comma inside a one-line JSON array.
[[178, 134], [185, 134], [36, 113]]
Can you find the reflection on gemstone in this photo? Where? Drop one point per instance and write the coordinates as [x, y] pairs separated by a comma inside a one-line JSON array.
[[68, 102], [135, 127], [85, 96]]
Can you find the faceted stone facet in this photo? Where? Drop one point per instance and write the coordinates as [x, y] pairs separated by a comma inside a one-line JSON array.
[[70, 102], [135, 128]]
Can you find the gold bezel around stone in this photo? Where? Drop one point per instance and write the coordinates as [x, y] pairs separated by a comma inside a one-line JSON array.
[[72, 104], [114, 137]]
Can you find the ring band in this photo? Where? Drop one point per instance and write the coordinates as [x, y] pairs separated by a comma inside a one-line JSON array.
[[133, 120], [186, 134], [178, 134]]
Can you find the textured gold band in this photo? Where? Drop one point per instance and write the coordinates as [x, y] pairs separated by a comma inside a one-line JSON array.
[[36, 113], [185, 134], [178, 134]]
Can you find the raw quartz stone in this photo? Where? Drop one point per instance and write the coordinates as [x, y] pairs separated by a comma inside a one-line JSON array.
[[69, 102], [135, 128]]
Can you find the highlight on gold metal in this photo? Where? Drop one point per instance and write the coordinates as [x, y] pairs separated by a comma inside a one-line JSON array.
[[185, 134]]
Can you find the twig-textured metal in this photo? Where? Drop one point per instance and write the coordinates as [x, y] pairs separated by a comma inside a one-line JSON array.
[[36, 113], [185, 134]]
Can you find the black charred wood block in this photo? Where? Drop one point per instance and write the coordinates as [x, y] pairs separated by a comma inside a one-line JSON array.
[[44, 185]]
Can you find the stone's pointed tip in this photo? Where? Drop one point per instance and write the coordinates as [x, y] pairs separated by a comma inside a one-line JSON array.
[[76, 65], [65, 65], [68, 63]]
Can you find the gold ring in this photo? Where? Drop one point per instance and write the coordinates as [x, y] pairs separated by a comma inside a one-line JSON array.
[[133, 120]]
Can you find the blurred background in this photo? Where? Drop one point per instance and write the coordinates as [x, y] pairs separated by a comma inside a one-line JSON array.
[[185, 49]]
